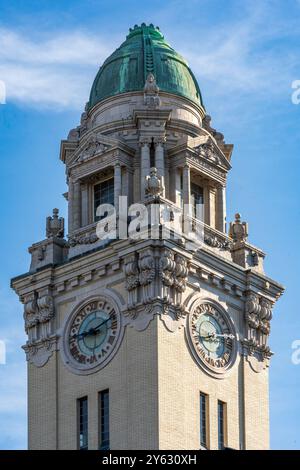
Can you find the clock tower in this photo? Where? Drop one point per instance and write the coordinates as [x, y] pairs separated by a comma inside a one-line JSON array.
[[148, 324]]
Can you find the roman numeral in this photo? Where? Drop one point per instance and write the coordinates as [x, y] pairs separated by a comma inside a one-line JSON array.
[[111, 339], [114, 324]]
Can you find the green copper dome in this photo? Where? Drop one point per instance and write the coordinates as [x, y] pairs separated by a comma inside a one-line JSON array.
[[144, 51]]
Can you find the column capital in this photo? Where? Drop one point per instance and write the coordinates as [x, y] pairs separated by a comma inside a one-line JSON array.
[[144, 141], [161, 140], [211, 185]]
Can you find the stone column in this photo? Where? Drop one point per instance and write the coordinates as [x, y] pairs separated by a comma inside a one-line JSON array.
[[206, 203], [177, 178], [221, 209], [186, 199], [76, 205], [160, 163], [70, 205], [84, 205], [145, 166], [127, 184], [209, 204], [136, 179], [186, 185], [117, 186], [212, 207]]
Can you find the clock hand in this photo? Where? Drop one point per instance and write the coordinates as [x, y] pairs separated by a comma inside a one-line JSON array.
[[208, 336], [90, 331], [81, 335], [224, 335], [101, 324]]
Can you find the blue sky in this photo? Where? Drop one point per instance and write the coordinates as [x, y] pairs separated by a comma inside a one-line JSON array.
[[245, 55]]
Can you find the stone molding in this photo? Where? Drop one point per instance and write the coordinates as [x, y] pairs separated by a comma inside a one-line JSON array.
[[155, 280], [39, 352], [39, 313]]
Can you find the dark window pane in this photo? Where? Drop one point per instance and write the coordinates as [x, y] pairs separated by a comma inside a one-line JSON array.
[[103, 194], [221, 425], [203, 419], [197, 200], [104, 420], [152, 154], [83, 423]]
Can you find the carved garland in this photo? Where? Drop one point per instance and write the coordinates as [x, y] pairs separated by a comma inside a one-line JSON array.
[[258, 315], [38, 314], [161, 277]]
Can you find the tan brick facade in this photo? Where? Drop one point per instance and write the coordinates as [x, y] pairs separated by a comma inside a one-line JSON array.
[[154, 388]]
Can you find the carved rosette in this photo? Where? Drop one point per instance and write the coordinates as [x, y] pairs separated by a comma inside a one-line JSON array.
[[258, 314], [38, 314]]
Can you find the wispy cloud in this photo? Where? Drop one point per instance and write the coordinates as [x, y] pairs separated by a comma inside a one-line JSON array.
[[45, 72], [253, 51], [257, 53]]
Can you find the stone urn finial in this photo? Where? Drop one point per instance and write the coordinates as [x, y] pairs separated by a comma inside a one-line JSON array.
[[55, 226], [238, 230]]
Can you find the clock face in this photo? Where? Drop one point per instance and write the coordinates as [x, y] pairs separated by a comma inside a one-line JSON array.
[[92, 335], [210, 334], [212, 338]]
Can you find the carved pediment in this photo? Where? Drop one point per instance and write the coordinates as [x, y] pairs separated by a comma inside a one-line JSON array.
[[206, 148], [93, 146], [204, 151]]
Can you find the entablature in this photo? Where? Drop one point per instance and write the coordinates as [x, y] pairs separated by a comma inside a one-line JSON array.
[[204, 265], [100, 163]]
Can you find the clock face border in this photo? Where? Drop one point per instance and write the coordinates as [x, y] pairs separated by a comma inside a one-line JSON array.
[[68, 359], [215, 371]]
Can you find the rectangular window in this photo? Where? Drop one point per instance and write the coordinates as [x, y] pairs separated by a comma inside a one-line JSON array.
[[152, 154], [197, 200], [104, 419], [82, 405], [203, 419], [103, 194], [221, 424]]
